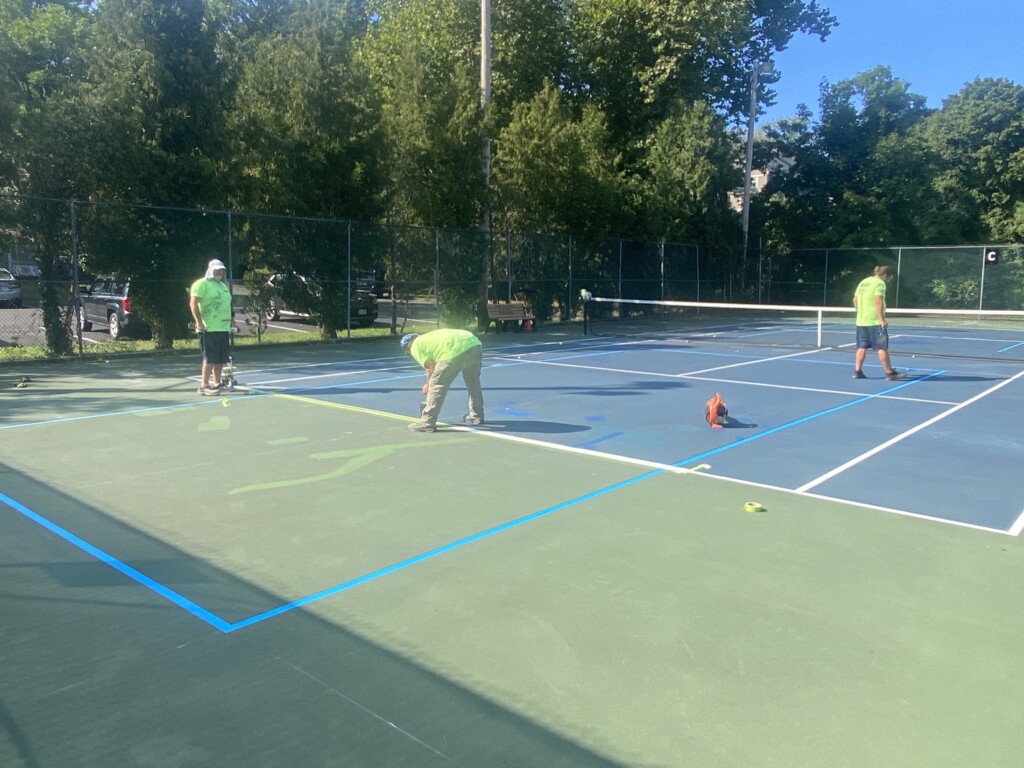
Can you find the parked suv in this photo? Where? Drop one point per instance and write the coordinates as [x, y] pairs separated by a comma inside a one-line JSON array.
[[10, 289], [105, 303], [298, 295]]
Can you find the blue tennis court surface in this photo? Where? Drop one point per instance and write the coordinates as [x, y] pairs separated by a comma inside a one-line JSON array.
[[799, 421]]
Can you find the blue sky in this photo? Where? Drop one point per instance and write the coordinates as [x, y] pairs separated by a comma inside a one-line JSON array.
[[935, 46]]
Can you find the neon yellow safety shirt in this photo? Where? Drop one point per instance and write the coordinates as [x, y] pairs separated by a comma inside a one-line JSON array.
[[865, 294], [442, 344], [214, 303]]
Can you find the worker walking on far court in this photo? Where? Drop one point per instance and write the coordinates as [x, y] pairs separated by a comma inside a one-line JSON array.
[[872, 327], [444, 354], [588, 311]]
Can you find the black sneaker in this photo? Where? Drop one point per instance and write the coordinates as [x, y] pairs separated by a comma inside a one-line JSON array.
[[859, 375], [422, 426], [476, 422], [894, 374]]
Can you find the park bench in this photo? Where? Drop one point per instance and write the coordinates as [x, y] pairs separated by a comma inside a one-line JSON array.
[[510, 315]]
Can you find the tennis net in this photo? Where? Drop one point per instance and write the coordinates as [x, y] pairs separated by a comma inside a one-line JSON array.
[[991, 335]]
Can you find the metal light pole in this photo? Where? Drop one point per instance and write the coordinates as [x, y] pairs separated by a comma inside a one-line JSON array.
[[759, 68], [485, 96], [485, 154]]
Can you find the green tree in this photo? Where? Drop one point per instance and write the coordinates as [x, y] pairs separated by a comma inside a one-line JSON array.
[[44, 153], [860, 176], [635, 58], [978, 136], [556, 174], [158, 137], [304, 122], [688, 171], [423, 58]]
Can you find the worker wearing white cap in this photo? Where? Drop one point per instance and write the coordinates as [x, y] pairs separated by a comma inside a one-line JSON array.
[[210, 303]]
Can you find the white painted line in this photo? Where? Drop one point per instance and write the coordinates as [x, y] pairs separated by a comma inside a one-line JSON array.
[[579, 451], [655, 374], [700, 471], [923, 425], [756, 362], [1018, 525], [904, 513], [879, 396]]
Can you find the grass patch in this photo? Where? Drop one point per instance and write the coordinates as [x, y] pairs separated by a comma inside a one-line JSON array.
[[15, 354]]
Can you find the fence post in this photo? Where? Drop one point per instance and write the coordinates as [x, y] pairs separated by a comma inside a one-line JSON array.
[[661, 247], [620, 269], [231, 271], [508, 264], [74, 274], [824, 285], [899, 269], [981, 290], [697, 257], [569, 305]]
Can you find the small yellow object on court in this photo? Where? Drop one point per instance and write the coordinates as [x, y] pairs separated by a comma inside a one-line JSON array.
[[224, 402], [752, 506]]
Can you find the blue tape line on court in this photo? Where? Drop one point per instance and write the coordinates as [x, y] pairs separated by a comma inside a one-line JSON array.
[[164, 592], [133, 411], [438, 551], [802, 420], [226, 627]]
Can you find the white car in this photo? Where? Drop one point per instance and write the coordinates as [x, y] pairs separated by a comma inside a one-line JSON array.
[[10, 289]]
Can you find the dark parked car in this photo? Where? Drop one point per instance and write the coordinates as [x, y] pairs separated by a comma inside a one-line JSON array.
[[105, 303], [372, 282], [293, 294], [10, 289]]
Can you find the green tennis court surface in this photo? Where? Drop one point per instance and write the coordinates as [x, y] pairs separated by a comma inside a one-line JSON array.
[[292, 579]]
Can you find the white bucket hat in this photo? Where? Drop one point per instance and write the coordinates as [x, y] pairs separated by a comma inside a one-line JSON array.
[[213, 266]]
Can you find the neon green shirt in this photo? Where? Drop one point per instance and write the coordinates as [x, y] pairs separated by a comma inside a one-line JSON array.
[[214, 303], [864, 297], [442, 344]]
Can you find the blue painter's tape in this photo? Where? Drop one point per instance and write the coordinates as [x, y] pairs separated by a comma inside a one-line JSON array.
[[127, 570]]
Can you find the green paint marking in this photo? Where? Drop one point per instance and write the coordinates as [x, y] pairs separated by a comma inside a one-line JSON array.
[[216, 424], [288, 441], [357, 458]]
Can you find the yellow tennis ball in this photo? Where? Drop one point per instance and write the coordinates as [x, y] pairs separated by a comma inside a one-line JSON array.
[[224, 401]]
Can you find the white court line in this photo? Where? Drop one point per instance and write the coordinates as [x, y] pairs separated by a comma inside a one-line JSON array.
[[1015, 530], [880, 396], [923, 425], [737, 481], [668, 468], [1018, 525], [579, 451], [329, 375], [755, 362]]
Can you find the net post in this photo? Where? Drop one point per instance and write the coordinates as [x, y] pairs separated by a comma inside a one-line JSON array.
[[821, 315]]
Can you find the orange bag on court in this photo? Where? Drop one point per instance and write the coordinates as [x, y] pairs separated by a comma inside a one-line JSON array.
[[715, 412]]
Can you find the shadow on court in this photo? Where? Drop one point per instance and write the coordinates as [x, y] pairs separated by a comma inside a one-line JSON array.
[[537, 427], [90, 673]]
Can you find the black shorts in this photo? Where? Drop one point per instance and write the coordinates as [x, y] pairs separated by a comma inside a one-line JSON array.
[[872, 337], [216, 347]]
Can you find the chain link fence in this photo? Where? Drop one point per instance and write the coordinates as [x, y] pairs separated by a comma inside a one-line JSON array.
[[56, 250], [987, 277]]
